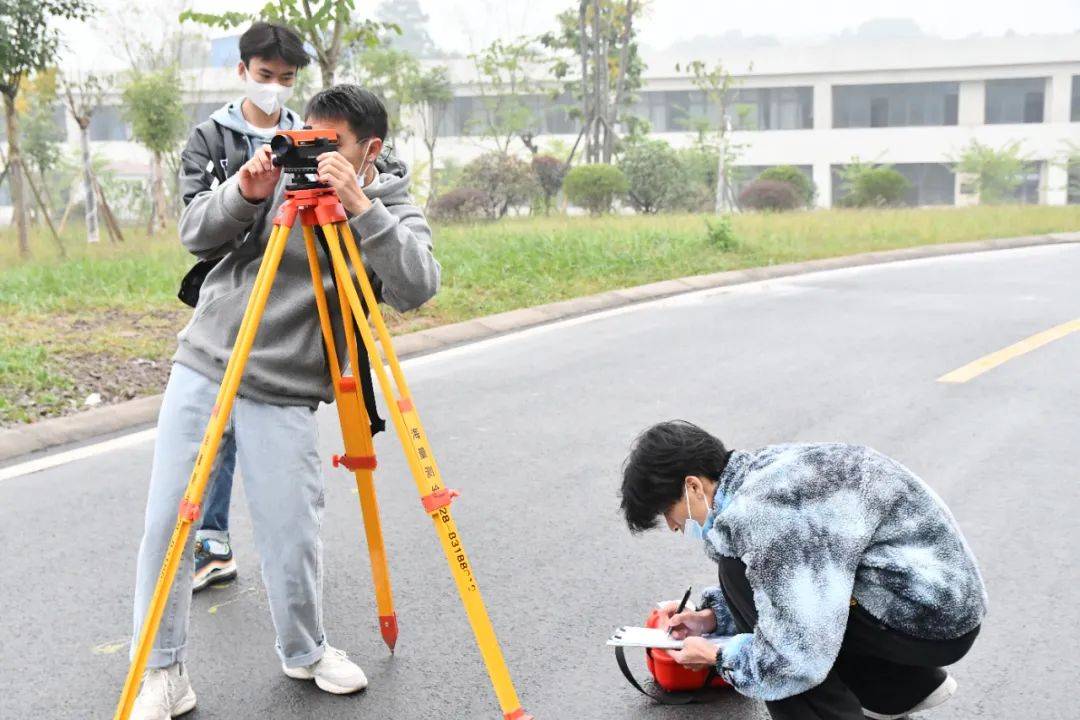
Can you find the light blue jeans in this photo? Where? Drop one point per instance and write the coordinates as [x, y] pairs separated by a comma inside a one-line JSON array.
[[276, 449]]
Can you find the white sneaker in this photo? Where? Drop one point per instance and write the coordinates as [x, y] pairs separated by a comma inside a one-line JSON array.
[[334, 673], [166, 693], [943, 692]]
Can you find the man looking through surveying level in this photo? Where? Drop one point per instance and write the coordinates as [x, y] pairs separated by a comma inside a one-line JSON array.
[[272, 424]]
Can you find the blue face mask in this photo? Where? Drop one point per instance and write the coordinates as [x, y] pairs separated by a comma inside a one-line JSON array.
[[692, 529]]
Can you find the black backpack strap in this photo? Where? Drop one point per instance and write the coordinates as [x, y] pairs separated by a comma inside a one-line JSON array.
[[236, 151], [362, 373], [234, 155], [660, 696]]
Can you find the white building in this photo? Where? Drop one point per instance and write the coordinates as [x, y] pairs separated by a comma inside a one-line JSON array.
[[912, 103]]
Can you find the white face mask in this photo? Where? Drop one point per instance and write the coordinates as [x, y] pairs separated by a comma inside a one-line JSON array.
[[268, 97]]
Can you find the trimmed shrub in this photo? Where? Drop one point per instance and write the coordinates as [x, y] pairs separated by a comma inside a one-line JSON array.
[[463, 203], [594, 187], [794, 176], [549, 172], [507, 181], [770, 195], [655, 177], [872, 186]]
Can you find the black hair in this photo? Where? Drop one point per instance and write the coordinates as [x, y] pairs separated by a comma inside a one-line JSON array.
[[268, 41], [660, 460], [360, 108]]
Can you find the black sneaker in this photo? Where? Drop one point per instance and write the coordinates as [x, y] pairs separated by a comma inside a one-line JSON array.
[[213, 563]]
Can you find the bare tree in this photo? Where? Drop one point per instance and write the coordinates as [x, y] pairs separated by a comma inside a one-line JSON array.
[[28, 43], [601, 36], [432, 93], [83, 95]]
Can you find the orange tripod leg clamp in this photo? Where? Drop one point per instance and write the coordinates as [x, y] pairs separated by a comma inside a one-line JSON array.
[[189, 511], [438, 499], [355, 462]]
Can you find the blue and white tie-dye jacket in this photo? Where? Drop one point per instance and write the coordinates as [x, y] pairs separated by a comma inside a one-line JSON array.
[[818, 525]]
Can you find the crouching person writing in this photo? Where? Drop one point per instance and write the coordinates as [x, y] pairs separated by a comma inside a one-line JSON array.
[[843, 578], [273, 420]]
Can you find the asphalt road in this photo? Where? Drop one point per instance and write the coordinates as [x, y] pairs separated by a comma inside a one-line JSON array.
[[533, 427]]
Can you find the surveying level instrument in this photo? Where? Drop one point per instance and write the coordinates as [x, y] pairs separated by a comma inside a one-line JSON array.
[[318, 206]]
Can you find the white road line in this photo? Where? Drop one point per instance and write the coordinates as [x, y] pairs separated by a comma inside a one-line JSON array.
[[788, 283], [80, 453]]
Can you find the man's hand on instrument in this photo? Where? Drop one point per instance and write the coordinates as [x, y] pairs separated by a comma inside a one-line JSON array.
[[338, 173], [258, 177], [697, 654], [688, 623]]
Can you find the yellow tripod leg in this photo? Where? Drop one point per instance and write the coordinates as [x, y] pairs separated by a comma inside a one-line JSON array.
[[356, 433], [189, 506], [435, 497]]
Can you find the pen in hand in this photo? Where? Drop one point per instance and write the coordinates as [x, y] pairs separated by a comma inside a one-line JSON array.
[[682, 605]]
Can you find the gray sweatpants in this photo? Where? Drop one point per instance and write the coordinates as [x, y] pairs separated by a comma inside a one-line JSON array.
[[277, 455]]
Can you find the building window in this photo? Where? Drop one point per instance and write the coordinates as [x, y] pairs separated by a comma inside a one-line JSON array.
[[652, 107], [1076, 98], [1027, 192], [895, 105], [1074, 183], [931, 184], [789, 108], [879, 112], [1015, 101], [471, 115], [457, 120], [107, 124]]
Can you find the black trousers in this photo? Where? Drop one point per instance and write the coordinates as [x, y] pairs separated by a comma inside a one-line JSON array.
[[878, 668]]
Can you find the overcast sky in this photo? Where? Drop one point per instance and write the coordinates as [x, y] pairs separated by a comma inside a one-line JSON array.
[[465, 25]]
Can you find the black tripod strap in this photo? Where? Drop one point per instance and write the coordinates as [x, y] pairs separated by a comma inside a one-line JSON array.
[[660, 696], [362, 373]]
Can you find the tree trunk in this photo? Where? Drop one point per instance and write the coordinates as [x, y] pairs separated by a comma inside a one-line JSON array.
[[598, 91], [431, 173], [43, 206], [15, 174], [583, 54], [88, 187], [157, 193], [327, 69], [620, 79], [721, 176]]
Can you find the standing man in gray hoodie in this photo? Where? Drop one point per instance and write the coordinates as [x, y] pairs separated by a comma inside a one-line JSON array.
[[270, 58], [272, 424]]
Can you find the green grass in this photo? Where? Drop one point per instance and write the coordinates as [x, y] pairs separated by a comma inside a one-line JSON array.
[[115, 303]]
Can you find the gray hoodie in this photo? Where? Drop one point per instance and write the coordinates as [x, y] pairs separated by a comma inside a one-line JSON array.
[[287, 365]]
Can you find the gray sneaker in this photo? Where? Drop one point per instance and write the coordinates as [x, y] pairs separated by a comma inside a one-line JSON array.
[[335, 673]]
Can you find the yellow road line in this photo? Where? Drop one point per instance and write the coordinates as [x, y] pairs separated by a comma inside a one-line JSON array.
[[991, 361]]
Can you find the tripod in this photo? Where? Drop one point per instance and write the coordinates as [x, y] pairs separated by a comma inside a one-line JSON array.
[[319, 206]]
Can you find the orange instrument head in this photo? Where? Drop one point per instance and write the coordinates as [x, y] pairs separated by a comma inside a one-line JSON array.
[[295, 151]]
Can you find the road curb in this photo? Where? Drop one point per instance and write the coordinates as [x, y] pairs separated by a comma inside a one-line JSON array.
[[47, 434]]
